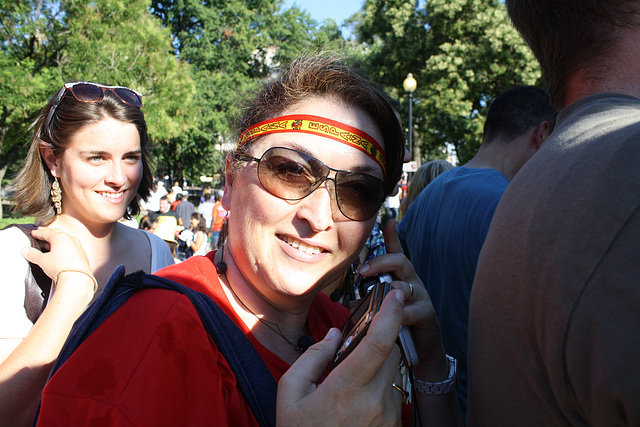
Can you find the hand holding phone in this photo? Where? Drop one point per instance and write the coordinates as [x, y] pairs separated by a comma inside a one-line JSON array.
[[377, 287]]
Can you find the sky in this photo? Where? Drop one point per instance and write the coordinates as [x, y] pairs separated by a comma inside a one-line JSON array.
[[338, 10]]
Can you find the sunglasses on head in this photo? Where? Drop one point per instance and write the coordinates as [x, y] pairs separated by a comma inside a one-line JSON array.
[[292, 175], [94, 92]]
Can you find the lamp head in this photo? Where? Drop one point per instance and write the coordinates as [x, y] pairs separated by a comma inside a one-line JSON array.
[[409, 83]]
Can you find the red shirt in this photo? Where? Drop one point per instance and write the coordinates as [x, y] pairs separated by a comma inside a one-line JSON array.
[[153, 363], [219, 215]]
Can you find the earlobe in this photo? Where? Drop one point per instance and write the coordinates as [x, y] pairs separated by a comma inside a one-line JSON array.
[[49, 158]]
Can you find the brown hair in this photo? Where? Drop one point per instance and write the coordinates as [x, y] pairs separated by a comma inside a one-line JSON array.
[[569, 36], [202, 222], [32, 184], [325, 75], [423, 176]]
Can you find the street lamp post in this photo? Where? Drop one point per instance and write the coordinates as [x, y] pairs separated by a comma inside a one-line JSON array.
[[409, 86]]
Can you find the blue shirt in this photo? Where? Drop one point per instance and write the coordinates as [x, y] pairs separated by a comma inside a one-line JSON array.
[[442, 233]]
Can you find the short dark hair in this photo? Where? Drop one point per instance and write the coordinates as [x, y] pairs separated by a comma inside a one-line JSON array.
[[326, 75], [570, 36], [516, 111], [32, 184]]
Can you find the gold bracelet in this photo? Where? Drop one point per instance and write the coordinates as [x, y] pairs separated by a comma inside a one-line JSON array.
[[71, 270]]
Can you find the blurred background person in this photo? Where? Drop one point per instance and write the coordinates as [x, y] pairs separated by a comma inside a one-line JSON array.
[[205, 208], [220, 215], [197, 238], [423, 176], [147, 223], [167, 220], [185, 209], [152, 202]]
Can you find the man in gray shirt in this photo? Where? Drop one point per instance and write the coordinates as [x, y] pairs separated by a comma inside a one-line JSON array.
[[185, 209]]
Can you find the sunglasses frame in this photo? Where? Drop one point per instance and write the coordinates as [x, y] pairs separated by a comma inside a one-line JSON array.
[[69, 87], [315, 186]]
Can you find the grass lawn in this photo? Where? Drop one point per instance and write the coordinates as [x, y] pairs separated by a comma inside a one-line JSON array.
[[10, 217], [7, 219], [17, 220]]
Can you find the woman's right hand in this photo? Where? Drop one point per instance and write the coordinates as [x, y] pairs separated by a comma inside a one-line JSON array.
[[359, 390], [65, 254]]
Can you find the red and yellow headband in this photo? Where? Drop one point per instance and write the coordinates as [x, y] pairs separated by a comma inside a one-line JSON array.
[[321, 126]]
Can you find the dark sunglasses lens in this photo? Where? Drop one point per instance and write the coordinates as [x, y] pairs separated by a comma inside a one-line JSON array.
[[359, 195], [289, 174], [128, 97], [87, 92]]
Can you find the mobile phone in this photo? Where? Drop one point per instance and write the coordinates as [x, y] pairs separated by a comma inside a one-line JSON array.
[[359, 320], [405, 339], [377, 287]]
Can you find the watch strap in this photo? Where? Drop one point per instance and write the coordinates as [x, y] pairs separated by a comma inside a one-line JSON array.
[[440, 387]]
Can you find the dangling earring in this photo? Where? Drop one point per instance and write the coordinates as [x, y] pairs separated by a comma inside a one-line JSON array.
[[56, 196]]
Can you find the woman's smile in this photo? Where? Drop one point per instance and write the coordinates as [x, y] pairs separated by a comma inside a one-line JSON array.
[[294, 243]]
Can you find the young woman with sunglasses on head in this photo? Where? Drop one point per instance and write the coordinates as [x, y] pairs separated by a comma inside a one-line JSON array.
[[88, 166], [319, 149]]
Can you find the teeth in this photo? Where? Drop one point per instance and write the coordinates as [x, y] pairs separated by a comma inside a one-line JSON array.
[[311, 250], [111, 195]]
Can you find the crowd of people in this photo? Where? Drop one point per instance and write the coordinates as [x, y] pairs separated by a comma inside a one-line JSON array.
[[515, 273], [188, 230]]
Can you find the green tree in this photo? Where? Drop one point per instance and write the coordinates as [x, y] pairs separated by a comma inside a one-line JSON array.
[[32, 38], [463, 53]]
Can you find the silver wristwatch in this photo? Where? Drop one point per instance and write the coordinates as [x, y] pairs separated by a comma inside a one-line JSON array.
[[440, 387]]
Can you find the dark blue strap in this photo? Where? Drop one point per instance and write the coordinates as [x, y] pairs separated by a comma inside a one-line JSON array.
[[252, 375]]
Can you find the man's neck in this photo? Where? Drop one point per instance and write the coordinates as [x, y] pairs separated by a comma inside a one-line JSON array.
[[491, 156], [620, 74]]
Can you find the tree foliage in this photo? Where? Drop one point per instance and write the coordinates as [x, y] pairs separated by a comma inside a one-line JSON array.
[[463, 53], [32, 37], [119, 41]]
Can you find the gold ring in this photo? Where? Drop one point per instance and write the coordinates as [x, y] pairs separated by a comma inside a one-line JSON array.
[[410, 292], [405, 393]]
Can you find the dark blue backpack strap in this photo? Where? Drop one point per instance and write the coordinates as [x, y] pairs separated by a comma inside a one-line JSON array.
[[252, 375]]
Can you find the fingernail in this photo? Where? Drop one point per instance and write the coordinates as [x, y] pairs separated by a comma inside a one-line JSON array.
[[364, 268], [333, 332], [399, 296]]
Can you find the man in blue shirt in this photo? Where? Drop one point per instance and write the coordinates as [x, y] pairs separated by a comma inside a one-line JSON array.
[[445, 227]]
